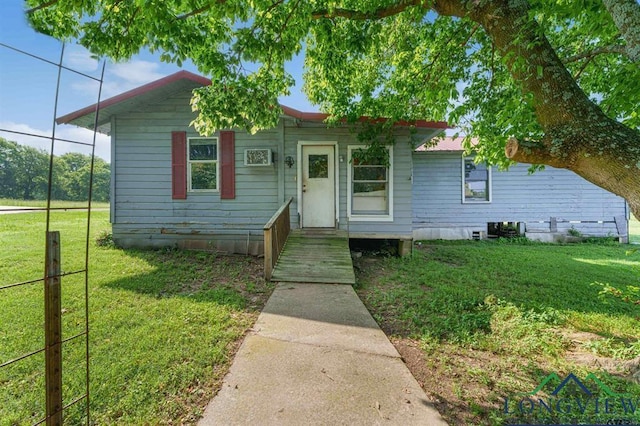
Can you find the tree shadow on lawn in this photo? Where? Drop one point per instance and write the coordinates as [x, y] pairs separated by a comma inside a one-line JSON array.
[[233, 280], [171, 320]]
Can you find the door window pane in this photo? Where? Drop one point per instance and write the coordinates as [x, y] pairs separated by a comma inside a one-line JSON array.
[[318, 166]]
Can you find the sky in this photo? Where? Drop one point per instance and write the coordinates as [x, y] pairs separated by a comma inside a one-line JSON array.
[[28, 86]]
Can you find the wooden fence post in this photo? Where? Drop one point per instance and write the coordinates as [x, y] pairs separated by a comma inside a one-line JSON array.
[[53, 330]]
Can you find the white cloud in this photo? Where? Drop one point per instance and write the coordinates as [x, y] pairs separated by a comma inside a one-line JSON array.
[[136, 72], [23, 136], [71, 133], [119, 78], [74, 133], [89, 89], [81, 60]]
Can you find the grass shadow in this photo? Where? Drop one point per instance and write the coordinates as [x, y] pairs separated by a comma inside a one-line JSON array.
[[236, 281]]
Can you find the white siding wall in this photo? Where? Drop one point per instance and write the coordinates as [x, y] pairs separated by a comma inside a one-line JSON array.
[[145, 213], [517, 197], [402, 213]]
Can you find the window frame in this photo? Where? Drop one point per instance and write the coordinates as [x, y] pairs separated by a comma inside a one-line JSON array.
[[216, 162], [356, 217], [489, 183]]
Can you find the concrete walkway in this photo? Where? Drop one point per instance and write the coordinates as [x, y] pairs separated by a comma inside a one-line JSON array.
[[317, 357]]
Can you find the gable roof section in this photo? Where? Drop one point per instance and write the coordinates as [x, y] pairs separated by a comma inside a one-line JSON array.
[[165, 87], [132, 100]]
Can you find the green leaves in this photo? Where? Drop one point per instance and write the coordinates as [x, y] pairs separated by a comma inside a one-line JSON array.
[[411, 64]]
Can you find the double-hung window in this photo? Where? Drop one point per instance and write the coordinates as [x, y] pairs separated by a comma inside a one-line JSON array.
[[370, 182], [476, 182], [202, 164]]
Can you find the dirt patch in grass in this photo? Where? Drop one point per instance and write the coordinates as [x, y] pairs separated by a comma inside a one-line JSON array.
[[580, 354]]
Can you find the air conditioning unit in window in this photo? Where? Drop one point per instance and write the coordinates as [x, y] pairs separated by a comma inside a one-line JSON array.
[[257, 157]]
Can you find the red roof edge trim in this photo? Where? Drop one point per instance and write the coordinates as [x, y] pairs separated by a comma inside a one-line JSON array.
[[133, 93], [292, 112], [319, 116], [300, 115]]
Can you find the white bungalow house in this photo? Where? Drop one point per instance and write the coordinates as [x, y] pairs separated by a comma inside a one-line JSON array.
[[171, 186]]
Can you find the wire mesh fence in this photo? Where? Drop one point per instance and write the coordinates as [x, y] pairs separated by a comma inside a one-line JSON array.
[[44, 282]]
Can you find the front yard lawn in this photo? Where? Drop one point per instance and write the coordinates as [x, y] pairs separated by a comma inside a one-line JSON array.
[[480, 322], [164, 325], [634, 230]]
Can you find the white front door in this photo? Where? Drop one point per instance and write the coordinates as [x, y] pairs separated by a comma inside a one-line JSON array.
[[318, 186]]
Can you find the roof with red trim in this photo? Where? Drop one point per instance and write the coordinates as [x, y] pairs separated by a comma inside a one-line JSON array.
[[444, 144], [160, 89]]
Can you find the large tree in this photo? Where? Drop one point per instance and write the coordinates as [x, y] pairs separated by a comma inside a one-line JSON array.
[[547, 82], [23, 171], [24, 174]]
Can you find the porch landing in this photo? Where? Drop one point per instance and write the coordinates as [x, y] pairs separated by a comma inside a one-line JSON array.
[[315, 256]]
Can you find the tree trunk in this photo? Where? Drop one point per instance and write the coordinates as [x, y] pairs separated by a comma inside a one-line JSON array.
[[578, 135]]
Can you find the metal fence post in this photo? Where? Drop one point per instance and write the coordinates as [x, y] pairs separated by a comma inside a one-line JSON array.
[[53, 330]]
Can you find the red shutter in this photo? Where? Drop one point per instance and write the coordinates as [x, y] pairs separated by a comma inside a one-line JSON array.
[[227, 165], [179, 165]]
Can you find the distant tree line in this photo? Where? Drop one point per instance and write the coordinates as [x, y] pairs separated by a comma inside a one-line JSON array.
[[24, 174]]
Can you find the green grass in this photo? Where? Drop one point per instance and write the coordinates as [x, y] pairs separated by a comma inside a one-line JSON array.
[[634, 230], [164, 324], [54, 203], [511, 311], [445, 287]]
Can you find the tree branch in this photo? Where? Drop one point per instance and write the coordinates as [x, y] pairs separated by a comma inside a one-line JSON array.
[[42, 6], [199, 10], [444, 48], [493, 69], [194, 12], [131, 19], [379, 13], [286, 22], [531, 152], [473, 31], [595, 52]]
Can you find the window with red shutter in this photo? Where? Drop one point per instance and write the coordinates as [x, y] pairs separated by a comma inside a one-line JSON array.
[[179, 165], [227, 165], [192, 169]]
